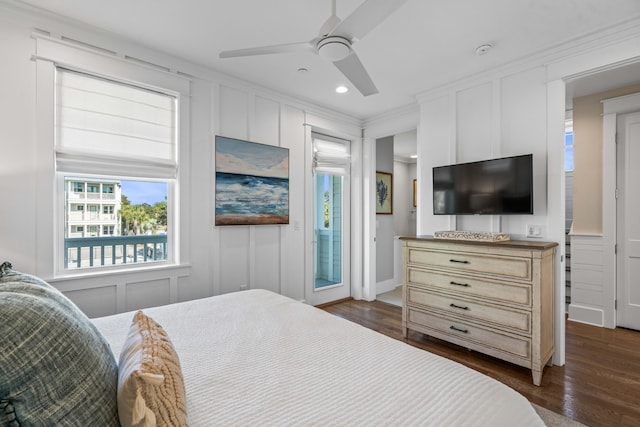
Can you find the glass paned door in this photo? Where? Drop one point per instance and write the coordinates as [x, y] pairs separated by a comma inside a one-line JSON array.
[[328, 245]]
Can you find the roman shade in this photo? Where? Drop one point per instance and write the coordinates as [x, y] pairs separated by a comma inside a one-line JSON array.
[[331, 155], [113, 126]]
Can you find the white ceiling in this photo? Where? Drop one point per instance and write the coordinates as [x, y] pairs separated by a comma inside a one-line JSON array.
[[405, 145], [424, 44]]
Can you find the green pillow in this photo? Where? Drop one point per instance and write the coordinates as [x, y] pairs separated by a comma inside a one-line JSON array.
[[55, 367]]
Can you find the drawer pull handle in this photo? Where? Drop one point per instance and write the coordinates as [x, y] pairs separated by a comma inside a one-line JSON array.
[[459, 262], [464, 331], [466, 285], [461, 307]]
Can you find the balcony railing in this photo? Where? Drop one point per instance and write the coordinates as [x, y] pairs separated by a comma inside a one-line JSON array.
[[73, 195], [90, 216], [83, 252]]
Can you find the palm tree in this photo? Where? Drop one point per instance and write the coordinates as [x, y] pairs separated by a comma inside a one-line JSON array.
[[134, 218]]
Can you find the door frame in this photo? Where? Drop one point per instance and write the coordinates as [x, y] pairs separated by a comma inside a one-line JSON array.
[[406, 121], [351, 133]]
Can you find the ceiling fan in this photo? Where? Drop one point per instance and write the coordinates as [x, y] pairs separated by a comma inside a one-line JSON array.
[[335, 39]]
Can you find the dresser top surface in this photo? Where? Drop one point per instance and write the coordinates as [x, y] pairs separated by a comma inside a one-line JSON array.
[[519, 244]]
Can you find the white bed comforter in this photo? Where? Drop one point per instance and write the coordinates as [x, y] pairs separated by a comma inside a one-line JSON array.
[[256, 358]]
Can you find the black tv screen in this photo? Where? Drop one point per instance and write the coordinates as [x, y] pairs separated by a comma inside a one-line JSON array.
[[490, 187]]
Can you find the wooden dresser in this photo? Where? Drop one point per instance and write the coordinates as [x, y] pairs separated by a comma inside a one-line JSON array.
[[496, 298]]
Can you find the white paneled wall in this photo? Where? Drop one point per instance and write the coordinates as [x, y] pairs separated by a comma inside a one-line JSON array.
[[503, 117], [587, 273], [473, 123], [248, 257], [102, 295]]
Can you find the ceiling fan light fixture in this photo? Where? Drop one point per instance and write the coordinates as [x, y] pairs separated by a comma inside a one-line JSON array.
[[334, 48]]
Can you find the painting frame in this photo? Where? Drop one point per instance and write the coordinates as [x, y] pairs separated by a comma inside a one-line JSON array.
[[251, 183], [384, 193]]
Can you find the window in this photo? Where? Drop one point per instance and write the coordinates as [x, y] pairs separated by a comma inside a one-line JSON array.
[[118, 141], [568, 145], [104, 118], [78, 208]]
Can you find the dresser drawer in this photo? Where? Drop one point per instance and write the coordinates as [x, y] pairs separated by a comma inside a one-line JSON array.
[[495, 265], [481, 338], [516, 320], [510, 293]]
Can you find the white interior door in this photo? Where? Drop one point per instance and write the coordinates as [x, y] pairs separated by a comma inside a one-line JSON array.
[[331, 210], [628, 221]]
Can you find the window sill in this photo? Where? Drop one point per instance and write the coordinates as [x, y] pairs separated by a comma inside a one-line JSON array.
[[154, 270]]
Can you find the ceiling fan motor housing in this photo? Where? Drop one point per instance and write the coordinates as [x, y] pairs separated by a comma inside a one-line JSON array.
[[334, 48]]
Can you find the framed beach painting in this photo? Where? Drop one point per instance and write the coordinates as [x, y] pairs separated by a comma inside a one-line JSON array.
[[384, 196], [252, 183]]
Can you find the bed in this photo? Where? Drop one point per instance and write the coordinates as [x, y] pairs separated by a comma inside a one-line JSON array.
[[258, 358]]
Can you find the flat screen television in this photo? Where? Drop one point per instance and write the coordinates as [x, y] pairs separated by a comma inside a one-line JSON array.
[[501, 186]]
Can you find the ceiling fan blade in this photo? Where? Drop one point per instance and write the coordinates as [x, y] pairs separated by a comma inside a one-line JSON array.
[[330, 23], [266, 50], [366, 17], [353, 69]]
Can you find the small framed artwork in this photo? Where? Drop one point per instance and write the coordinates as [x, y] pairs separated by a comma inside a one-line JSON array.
[[384, 193], [415, 191]]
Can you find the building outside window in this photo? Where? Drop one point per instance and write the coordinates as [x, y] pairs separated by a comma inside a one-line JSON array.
[[77, 218]]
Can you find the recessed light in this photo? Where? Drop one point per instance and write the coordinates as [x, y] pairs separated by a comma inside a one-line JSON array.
[[302, 70], [342, 89]]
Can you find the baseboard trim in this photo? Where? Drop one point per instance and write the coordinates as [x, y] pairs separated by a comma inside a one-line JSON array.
[[588, 315], [386, 286]]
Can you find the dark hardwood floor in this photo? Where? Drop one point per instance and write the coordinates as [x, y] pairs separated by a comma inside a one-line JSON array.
[[598, 386]]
